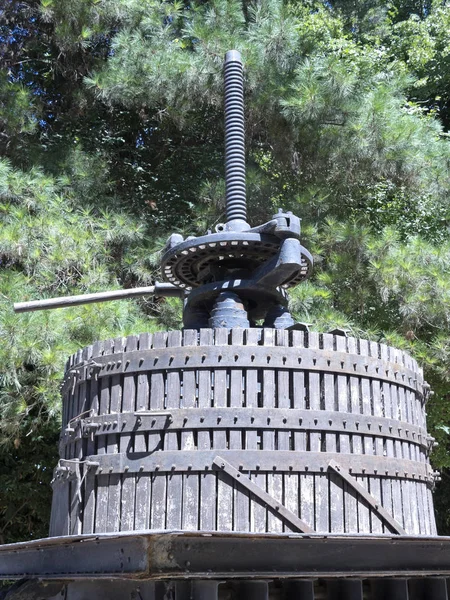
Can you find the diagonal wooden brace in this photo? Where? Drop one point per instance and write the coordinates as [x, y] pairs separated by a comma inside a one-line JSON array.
[[280, 510], [393, 525]]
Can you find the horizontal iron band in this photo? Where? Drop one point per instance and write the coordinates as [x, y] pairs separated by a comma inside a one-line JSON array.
[[246, 357], [214, 419], [254, 461]]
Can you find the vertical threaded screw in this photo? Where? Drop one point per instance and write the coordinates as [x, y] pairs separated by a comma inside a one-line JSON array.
[[234, 139]]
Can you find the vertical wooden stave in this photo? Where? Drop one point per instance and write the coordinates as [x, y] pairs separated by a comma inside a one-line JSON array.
[[336, 500], [285, 442], [112, 445], [102, 482], [208, 478], [174, 479], [224, 486], [378, 410], [127, 503], [274, 480], [153, 494], [191, 478], [241, 495], [321, 480], [252, 394], [354, 405]]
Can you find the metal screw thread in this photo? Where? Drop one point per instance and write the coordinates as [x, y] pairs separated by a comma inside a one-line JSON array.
[[234, 138]]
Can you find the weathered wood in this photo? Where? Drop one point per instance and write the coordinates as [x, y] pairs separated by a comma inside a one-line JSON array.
[[279, 510], [160, 421], [142, 482]]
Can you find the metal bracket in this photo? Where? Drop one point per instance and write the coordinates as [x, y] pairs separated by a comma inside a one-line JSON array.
[[393, 525], [279, 509]]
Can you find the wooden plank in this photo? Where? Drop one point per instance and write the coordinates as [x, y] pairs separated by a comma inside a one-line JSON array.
[[321, 480], [207, 479], [288, 481], [112, 447], [154, 500], [363, 509], [377, 523], [252, 393], [292, 495], [431, 512], [126, 444], [89, 491], [142, 488], [298, 390], [75, 502], [102, 482], [369, 499], [274, 480], [190, 480], [307, 499], [224, 508], [332, 443], [379, 409], [60, 508], [414, 507], [251, 338], [241, 495], [174, 480], [280, 510]]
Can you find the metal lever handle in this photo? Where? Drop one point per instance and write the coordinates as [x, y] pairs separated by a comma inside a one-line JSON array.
[[159, 289]]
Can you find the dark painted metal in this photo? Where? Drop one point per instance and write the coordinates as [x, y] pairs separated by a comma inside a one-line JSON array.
[[228, 311], [193, 555], [234, 142]]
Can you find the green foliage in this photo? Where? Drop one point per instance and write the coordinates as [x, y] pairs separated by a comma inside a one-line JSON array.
[[111, 118]]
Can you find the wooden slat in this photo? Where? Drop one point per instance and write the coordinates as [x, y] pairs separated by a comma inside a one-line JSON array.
[[102, 482], [369, 499], [112, 446], [174, 480], [190, 480], [154, 500], [336, 502], [207, 479], [275, 505], [252, 393], [275, 480], [128, 481], [224, 489], [241, 495], [142, 490], [321, 481], [298, 390]]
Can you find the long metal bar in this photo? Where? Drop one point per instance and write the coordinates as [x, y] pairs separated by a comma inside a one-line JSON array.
[[159, 289]]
